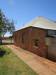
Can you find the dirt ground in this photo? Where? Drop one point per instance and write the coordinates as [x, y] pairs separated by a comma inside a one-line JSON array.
[[40, 65]]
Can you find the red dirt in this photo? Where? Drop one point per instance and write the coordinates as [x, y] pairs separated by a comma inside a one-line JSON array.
[[39, 64]]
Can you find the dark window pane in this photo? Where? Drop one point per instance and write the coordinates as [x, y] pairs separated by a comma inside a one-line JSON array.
[[36, 42]]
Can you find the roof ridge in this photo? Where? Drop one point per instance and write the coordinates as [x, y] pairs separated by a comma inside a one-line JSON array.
[[46, 19]]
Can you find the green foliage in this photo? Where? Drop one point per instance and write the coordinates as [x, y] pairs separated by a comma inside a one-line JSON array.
[[10, 64], [5, 24]]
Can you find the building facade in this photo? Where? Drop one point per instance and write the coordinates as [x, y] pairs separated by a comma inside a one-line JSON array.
[[32, 39], [37, 40]]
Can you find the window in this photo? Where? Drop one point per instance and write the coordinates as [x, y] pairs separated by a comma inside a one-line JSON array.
[[36, 42], [51, 33]]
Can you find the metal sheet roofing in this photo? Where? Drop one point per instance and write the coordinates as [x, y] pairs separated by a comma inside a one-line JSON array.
[[42, 22]]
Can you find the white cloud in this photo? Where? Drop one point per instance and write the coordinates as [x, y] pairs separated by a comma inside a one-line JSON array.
[[7, 34]]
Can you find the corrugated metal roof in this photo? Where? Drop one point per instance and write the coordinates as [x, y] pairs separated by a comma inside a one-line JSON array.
[[42, 22]]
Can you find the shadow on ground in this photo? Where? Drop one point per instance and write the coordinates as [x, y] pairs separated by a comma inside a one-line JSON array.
[[2, 53], [6, 43]]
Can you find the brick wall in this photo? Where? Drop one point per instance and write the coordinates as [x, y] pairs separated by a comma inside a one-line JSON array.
[[31, 39]]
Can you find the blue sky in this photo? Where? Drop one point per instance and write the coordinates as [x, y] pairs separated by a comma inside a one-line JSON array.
[[23, 11]]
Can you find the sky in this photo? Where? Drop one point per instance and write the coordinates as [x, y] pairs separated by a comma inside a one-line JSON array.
[[23, 11]]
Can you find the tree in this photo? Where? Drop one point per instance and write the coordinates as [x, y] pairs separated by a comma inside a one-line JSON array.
[[5, 24], [11, 27]]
